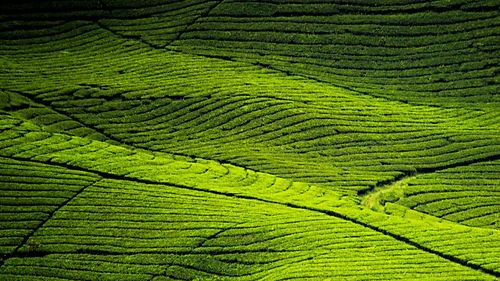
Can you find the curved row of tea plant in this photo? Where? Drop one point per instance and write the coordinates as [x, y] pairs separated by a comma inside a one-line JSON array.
[[157, 215], [431, 52], [128, 231], [88, 92], [468, 195], [135, 169], [157, 22], [29, 194], [285, 125]]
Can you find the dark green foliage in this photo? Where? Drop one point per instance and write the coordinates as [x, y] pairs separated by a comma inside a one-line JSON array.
[[427, 53]]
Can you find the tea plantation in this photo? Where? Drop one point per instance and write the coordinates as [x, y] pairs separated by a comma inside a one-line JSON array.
[[249, 140]]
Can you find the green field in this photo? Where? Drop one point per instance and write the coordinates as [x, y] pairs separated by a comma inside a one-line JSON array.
[[250, 140]]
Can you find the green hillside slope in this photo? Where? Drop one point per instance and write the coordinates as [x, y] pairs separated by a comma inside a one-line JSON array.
[[424, 52], [93, 200], [265, 140]]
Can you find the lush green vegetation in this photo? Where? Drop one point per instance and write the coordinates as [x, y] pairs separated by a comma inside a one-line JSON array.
[[264, 140], [448, 193], [425, 52]]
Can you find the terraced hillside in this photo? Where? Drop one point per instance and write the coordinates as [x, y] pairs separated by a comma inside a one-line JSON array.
[[250, 140]]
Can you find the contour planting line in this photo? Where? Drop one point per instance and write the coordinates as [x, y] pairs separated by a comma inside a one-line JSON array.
[[362, 193], [98, 252], [106, 175], [117, 140], [258, 64], [287, 72], [40, 102], [44, 221], [206, 13], [422, 171]]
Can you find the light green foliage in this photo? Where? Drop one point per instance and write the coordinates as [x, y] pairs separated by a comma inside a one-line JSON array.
[[468, 195], [249, 140], [152, 204]]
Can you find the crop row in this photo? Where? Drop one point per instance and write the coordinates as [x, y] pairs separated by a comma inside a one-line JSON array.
[[182, 125], [29, 194], [28, 142], [396, 60], [166, 217], [178, 233], [158, 215], [268, 8], [451, 238], [70, 10], [359, 51], [260, 118], [191, 266], [467, 194], [163, 28], [42, 116], [155, 23]]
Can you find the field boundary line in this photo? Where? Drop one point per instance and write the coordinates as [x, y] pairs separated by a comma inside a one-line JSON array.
[[36, 100], [43, 222], [424, 171], [206, 13], [400, 238]]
